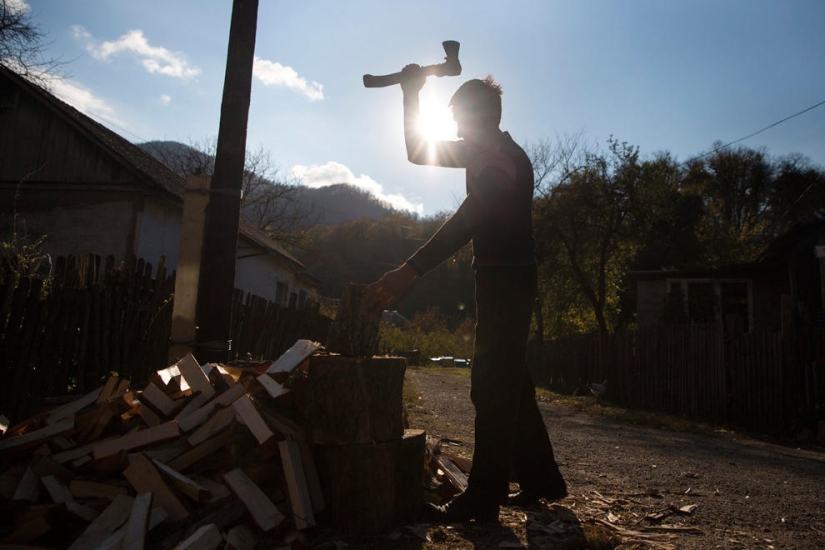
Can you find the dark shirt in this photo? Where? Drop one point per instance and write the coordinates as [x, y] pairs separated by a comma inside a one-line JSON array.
[[496, 213]]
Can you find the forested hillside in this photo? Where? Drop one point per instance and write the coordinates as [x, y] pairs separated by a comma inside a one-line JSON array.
[[599, 213]]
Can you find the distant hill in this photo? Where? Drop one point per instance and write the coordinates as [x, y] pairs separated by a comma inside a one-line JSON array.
[[329, 205]]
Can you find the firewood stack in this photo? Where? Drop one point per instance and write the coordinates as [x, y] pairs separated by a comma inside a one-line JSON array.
[[204, 456]]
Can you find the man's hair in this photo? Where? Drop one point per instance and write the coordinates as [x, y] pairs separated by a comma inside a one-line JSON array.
[[480, 96]]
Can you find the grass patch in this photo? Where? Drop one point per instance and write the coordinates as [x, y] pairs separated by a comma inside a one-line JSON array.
[[458, 371]]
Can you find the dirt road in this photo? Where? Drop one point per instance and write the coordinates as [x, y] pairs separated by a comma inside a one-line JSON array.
[[643, 487]]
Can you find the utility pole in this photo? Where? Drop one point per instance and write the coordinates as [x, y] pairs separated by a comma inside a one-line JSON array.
[[220, 245]]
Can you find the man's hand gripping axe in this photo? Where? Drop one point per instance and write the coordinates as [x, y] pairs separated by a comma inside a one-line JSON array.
[[450, 67]]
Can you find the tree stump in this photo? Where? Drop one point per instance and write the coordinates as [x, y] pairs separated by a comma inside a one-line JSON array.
[[354, 332], [373, 488], [354, 400]]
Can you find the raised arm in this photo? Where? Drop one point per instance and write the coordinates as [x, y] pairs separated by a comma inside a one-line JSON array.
[[419, 149]]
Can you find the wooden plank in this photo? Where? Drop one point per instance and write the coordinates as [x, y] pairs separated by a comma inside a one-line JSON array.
[[145, 478], [153, 396], [9, 480], [77, 452], [294, 356], [457, 478], [134, 536], [46, 466], [114, 541], [196, 401], [194, 375], [87, 489], [96, 423], [69, 409], [217, 490], [207, 537], [292, 430], [240, 537], [167, 451], [299, 499], [108, 389], [36, 437], [185, 485], [58, 492], [28, 490], [263, 511], [150, 417], [169, 430], [220, 421], [199, 416], [115, 515], [272, 387], [121, 389], [200, 451], [252, 419]]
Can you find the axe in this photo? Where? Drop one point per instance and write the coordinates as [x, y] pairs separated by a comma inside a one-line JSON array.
[[450, 67]]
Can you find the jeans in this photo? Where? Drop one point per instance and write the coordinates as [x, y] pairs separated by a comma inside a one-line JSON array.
[[510, 434]]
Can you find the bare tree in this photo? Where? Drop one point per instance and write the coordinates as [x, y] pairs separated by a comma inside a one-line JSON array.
[[269, 200], [21, 43]]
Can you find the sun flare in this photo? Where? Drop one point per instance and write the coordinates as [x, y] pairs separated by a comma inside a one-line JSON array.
[[435, 120]]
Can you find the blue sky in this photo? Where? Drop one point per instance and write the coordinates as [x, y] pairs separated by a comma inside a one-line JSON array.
[[662, 75]]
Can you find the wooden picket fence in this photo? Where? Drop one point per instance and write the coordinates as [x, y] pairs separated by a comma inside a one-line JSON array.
[[762, 381], [64, 334]]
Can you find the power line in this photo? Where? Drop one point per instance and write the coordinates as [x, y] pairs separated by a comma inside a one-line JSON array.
[[716, 150]]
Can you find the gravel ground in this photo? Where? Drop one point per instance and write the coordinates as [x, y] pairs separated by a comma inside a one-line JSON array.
[[634, 486]]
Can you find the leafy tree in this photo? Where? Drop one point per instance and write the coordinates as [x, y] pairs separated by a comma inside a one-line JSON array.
[[588, 222], [735, 187], [21, 43]]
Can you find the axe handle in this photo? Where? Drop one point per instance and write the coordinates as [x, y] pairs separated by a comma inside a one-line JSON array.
[[442, 69]]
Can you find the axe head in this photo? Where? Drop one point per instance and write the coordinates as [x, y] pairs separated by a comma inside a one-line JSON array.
[[451, 65]]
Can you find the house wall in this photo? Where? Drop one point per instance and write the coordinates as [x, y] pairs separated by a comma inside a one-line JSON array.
[[62, 183], [649, 301], [159, 232], [260, 274], [74, 223]]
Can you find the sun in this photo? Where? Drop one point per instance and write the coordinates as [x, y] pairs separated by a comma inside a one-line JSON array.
[[435, 120]]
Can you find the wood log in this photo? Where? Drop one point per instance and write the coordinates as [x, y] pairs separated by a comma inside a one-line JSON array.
[[207, 537], [134, 440], [299, 499], [265, 514], [355, 400], [134, 536], [115, 515], [34, 438], [145, 478], [84, 489], [373, 488], [354, 332], [246, 410], [194, 375]]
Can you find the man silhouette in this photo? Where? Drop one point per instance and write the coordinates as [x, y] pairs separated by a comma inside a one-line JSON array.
[[496, 215]]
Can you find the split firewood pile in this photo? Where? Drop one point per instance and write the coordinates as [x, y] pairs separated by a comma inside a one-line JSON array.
[[203, 456]]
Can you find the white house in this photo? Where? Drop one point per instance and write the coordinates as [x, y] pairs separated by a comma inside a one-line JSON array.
[[89, 190]]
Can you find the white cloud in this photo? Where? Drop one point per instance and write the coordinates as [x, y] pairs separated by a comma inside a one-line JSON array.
[[165, 99], [334, 172], [275, 74], [17, 6], [155, 59], [83, 100]]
